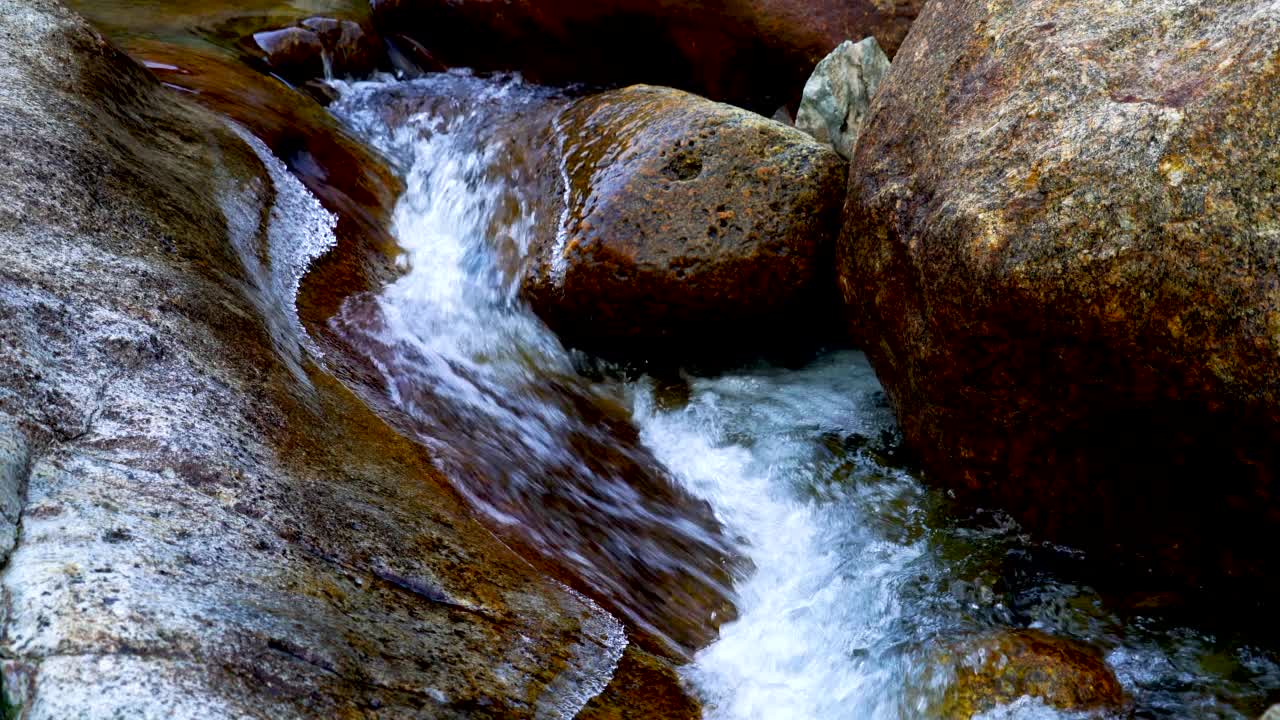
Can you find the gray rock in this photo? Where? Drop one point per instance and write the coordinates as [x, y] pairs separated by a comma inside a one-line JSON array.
[[839, 92], [197, 521], [1273, 713]]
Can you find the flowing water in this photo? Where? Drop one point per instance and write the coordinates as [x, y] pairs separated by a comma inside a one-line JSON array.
[[849, 577]]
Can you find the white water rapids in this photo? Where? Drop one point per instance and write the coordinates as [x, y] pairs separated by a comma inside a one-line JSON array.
[[858, 573]]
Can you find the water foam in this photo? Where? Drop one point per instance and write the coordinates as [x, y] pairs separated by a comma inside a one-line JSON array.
[[856, 582]]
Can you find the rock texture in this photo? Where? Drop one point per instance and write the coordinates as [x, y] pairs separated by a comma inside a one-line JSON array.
[[1063, 248], [644, 688], [555, 462], [754, 53], [197, 521], [348, 178], [997, 669], [839, 92], [685, 228]]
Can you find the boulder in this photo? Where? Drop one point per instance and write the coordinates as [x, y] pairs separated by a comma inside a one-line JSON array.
[[197, 519], [839, 92], [998, 668], [754, 53], [352, 49], [685, 228], [1271, 714], [1061, 249]]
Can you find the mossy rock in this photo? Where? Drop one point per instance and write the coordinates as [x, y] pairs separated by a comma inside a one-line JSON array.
[[998, 668]]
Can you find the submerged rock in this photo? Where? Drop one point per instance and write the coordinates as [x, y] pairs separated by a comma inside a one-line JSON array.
[[686, 228], [998, 668], [1061, 247], [198, 521], [643, 688], [754, 53], [839, 92]]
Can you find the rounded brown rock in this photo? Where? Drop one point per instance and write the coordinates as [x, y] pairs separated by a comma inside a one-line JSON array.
[[686, 229], [999, 667], [352, 51], [754, 53], [295, 53]]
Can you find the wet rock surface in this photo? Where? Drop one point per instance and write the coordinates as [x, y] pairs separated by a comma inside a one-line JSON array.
[[556, 461], [1061, 242], [754, 53], [298, 41], [643, 688], [295, 53], [839, 92], [998, 668], [348, 178], [199, 521], [684, 228]]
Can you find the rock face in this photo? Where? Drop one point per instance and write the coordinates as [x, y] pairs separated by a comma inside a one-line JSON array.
[[754, 53], [644, 688], [685, 226], [997, 669], [839, 92], [197, 521], [1061, 245]]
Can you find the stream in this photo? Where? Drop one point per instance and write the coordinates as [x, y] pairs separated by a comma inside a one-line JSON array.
[[849, 576]]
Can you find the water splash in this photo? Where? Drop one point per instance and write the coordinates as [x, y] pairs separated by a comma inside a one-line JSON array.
[[553, 461], [860, 572], [275, 258]]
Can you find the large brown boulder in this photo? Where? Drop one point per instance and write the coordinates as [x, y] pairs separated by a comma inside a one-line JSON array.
[[1061, 248], [196, 519], [755, 53], [685, 228]]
